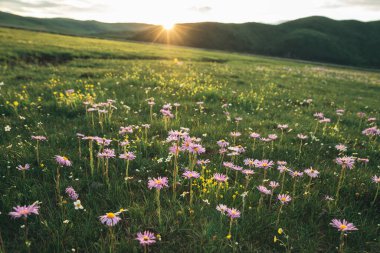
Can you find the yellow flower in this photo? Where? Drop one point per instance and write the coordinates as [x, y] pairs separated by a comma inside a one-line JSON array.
[[15, 103], [274, 239], [279, 231], [228, 236]]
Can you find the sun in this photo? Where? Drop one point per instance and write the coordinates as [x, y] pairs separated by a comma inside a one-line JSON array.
[[168, 25]]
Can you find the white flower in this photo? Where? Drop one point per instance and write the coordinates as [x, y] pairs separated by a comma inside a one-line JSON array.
[[7, 128], [66, 221], [78, 205]]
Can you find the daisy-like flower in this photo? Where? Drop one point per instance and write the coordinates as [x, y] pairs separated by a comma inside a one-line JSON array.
[[62, 160], [107, 153], [25, 167], [264, 190], [248, 172], [146, 238], [325, 120], [282, 127], [274, 184], [190, 174], [222, 143], [376, 179], [203, 162], [282, 163], [24, 211], [72, 193], [196, 149], [312, 172], [343, 225], [295, 174], [272, 136], [302, 136], [282, 169], [254, 135], [329, 198], [222, 208], [128, 156], [39, 138], [220, 177], [158, 183], [284, 198], [110, 219], [249, 162], [341, 147], [346, 161], [265, 164], [235, 134], [319, 115], [78, 205], [233, 213]]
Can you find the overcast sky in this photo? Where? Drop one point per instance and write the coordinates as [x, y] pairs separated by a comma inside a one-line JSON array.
[[179, 11]]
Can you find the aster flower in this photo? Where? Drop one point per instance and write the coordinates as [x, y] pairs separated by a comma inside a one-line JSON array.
[[23, 168], [62, 160], [233, 213], [221, 178], [248, 172], [272, 136], [158, 183], [128, 156], [264, 164], [71, 193], [254, 135], [222, 143], [274, 184], [190, 174], [343, 225], [39, 138], [341, 147], [302, 136], [146, 238], [235, 134], [25, 211], [264, 190], [346, 161], [107, 153], [312, 172], [376, 179], [284, 198], [110, 219], [222, 208], [282, 127]]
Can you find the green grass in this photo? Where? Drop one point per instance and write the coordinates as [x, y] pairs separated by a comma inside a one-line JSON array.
[[36, 68]]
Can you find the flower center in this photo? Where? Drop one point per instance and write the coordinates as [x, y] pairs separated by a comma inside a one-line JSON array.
[[145, 238], [283, 199], [342, 227], [265, 164], [65, 158], [24, 211], [110, 215]]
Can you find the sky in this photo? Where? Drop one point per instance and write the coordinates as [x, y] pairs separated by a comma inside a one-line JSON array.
[[184, 11]]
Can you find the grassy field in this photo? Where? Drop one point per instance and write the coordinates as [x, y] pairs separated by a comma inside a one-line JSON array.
[[48, 83]]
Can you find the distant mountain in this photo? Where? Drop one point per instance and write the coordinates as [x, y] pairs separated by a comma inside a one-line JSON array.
[[314, 38]]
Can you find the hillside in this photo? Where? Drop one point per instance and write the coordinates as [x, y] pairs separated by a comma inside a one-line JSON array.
[[314, 38]]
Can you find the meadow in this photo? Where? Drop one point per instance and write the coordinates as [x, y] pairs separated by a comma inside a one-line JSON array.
[[208, 151]]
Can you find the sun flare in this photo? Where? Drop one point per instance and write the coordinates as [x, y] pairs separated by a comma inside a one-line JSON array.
[[168, 25]]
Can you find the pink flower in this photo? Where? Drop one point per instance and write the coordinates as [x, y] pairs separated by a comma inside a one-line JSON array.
[[220, 177], [254, 135], [264, 164], [107, 153], [264, 190], [39, 138], [282, 127], [343, 225], [274, 184], [296, 174], [312, 172], [72, 193], [235, 134], [146, 238], [62, 160], [284, 198], [24, 211], [248, 172], [346, 161], [158, 183], [222, 208], [233, 213], [249, 162], [302, 137], [341, 147], [376, 179], [272, 136], [196, 149], [25, 167], [190, 174], [110, 219], [222, 143], [128, 156]]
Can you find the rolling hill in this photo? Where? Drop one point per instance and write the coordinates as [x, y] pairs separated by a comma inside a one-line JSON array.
[[314, 38]]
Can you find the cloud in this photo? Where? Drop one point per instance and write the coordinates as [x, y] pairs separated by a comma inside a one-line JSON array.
[[367, 4], [202, 9]]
